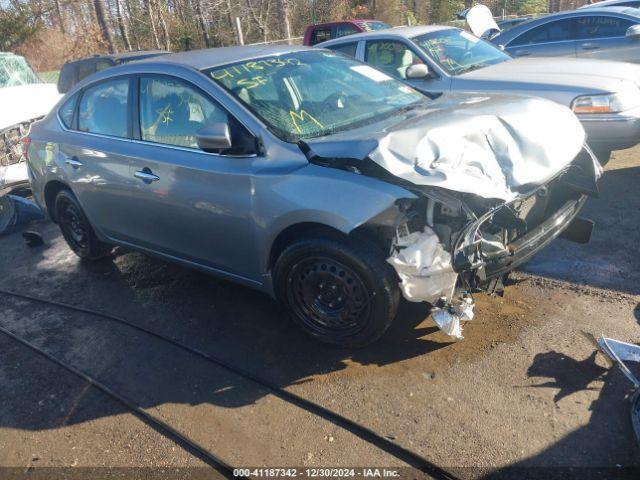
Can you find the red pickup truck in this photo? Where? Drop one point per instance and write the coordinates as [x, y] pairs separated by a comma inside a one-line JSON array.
[[326, 31]]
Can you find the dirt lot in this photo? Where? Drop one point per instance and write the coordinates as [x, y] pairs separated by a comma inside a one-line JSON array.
[[524, 388]]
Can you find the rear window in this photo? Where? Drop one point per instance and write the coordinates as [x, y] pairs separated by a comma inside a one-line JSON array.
[[67, 110], [320, 35]]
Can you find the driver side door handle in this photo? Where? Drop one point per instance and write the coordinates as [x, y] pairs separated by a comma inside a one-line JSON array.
[[590, 46], [146, 175], [73, 162]]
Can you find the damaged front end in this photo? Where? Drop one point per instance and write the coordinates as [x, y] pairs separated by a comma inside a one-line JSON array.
[[492, 190], [13, 166], [448, 249], [496, 180]]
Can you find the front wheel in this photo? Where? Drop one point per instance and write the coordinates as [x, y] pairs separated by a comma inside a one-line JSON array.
[[76, 229], [339, 291]]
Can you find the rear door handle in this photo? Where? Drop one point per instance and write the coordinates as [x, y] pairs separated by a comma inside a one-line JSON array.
[[522, 53], [146, 175], [73, 162], [590, 46]]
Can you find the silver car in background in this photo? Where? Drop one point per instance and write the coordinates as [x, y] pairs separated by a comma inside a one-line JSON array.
[[312, 177], [608, 33], [436, 59], [613, 3]]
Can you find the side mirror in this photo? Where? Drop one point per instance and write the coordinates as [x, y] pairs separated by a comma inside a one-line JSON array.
[[633, 32], [417, 71], [214, 137]]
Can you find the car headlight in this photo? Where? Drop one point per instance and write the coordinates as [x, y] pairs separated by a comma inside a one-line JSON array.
[[608, 103]]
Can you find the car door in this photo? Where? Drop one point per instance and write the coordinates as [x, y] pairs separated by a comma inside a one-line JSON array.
[[603, 36], [394, 57], [95, 153], [188, 203], [552, 39]]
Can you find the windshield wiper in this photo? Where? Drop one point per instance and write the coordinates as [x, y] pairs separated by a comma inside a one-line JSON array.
[[469, 68]]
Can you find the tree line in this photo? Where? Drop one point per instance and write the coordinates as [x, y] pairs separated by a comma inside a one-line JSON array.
[[50, 32]]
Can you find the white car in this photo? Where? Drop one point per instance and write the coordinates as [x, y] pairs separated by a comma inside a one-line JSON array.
[[24, 98]]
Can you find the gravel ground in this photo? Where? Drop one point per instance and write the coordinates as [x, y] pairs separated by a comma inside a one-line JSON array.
[[523, 389]]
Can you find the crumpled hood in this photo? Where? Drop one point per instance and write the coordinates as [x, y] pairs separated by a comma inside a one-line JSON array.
[[26, 102], [495, 147]]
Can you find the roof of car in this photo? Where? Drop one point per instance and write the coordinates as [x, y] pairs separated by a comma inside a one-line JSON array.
[[339, 22], [603, 3], [401, 32], [211, 57], [121, 56], [137, 53]]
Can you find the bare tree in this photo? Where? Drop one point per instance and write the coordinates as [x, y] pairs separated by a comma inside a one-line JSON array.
[[103, 23], [124, 32]]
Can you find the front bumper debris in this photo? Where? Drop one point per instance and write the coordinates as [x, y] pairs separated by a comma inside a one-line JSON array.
[[442, 269], [625, 355]]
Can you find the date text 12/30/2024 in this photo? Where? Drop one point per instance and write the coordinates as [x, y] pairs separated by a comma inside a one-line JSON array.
[[316, 472]]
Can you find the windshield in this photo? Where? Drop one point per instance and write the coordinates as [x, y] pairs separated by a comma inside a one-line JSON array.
[[457, 51], [371, 26], [14, 70], [313, 93]]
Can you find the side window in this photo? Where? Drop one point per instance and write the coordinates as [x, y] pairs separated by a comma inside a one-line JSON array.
[[320, 35], [345, 29], [173, 111], [346, 48], [103, 108], [391, 57], [557, 31], [601, 26], [66, 111]]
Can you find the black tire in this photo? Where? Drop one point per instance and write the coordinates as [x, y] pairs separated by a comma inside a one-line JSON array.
[[76, 229], [340, 291]]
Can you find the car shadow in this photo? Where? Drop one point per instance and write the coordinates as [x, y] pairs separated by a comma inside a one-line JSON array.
[[610, 259], [242, 327]]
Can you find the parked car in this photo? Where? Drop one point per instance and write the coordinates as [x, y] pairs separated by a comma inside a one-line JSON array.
[[74, 71], [509, 23], [609, 33], [613, 3], [437, 59], [312, 177], [24, 99], [326, 31]]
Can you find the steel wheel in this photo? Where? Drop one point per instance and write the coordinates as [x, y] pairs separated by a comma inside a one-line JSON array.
[[76, 229], [328, 296], [73, 226]]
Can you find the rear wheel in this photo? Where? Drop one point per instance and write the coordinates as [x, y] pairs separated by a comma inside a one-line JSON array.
[[338, 291], [76, 229]]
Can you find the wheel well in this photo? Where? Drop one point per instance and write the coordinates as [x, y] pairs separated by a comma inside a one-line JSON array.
[[51, 190], [294, 232], [287, 236]]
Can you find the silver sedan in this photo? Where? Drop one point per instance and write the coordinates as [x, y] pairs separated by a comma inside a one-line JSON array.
[[435, 60], [608, 33], [312, 177]]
